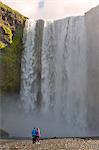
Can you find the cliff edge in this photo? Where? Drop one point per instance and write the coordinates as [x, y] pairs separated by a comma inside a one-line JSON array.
[[11, 46]]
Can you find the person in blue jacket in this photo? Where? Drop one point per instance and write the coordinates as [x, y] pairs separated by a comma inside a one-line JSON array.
[[34, 132]]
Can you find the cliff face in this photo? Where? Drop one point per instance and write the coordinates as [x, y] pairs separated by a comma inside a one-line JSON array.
[[11, 32], [92, 27]]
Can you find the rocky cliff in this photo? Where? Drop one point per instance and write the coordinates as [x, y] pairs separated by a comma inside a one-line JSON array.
[[92, 30], [11, 32]]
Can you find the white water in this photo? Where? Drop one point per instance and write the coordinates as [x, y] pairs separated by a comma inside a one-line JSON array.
[[27, 65], [63, 75]]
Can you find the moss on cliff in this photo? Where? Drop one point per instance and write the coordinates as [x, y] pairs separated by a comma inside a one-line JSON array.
[[2, 45], [11, 46], [9, 20], [12, 61]]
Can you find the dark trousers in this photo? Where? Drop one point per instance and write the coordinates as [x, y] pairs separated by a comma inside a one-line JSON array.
[[33, 139], [37, 138]]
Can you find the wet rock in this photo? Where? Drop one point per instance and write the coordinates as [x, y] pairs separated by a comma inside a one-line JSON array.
[[4, 134]]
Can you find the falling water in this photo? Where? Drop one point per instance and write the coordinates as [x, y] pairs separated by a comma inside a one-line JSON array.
[[48, 66], [61, 73], [27, 65]]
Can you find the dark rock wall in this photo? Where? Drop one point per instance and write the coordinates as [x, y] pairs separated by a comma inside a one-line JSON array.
[[38, 53], [92, 27]]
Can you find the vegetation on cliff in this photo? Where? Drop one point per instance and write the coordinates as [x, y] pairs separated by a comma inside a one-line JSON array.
[[9, 20], [11, 46]]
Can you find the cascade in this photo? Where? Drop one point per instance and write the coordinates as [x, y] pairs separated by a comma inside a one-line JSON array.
[[54, 71]]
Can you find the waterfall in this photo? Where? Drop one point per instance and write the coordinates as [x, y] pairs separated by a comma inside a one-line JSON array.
[[54, 67], [48, 66], [28, 65], [31, 65]]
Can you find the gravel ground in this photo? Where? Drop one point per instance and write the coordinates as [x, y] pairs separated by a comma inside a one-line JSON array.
[[51, 144]]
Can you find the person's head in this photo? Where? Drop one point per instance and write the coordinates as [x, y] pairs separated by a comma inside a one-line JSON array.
[[38, 129]]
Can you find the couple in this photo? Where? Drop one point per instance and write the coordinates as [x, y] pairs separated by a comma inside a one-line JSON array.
[[36, 135]]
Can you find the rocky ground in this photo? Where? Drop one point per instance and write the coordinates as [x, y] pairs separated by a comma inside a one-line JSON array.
[[51, 144]]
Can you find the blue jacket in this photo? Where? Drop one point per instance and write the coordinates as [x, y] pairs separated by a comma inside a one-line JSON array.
[[34, 132]]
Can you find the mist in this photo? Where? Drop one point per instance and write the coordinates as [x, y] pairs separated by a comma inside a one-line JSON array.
[[19, 123]]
